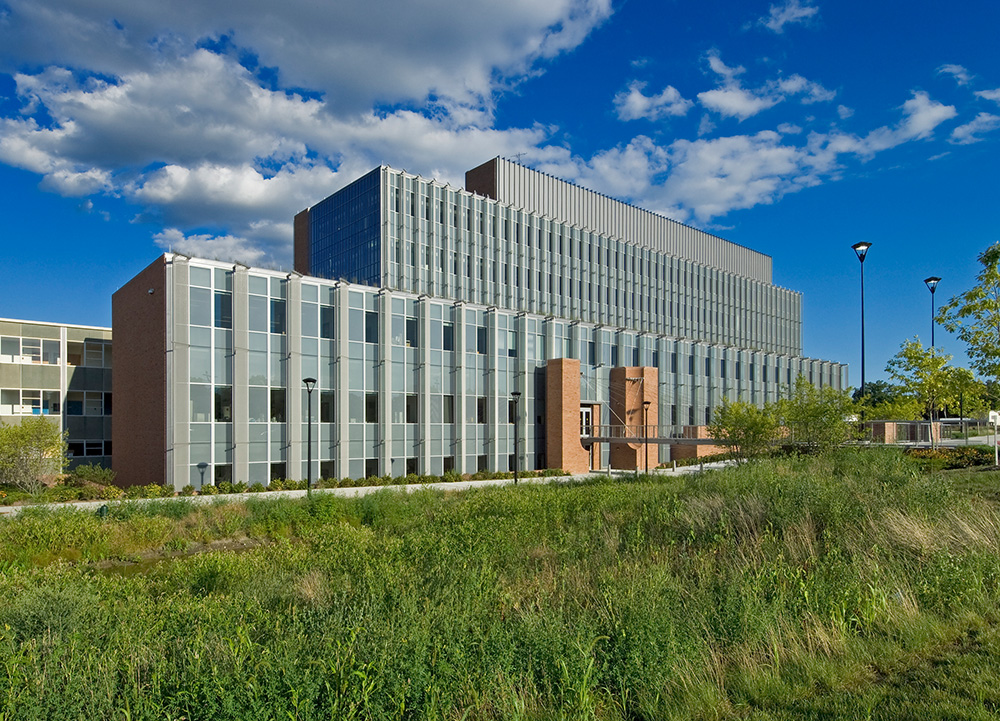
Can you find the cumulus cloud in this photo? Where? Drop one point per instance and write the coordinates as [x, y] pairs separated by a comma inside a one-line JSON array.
[[218, 130], [700, 180], [213, 118], [969, 132], [993, 95], [221, 247], [791, 12], [921, 115], [633, 104], [733, 100], [958, 72], [844, 112], [367, 52]]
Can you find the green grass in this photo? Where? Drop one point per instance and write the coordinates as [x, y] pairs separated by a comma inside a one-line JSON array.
[[847, 586]]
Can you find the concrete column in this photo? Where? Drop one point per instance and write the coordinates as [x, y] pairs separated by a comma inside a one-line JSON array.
[[461, 424], [342, 384], [178, 382], [295, 466], [241, 374]]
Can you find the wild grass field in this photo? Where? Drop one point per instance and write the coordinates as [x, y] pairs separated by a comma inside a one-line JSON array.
[[848, 586]]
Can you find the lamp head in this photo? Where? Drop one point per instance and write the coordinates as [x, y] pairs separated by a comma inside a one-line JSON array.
[[310, 384], [932, 283], [861, 249]]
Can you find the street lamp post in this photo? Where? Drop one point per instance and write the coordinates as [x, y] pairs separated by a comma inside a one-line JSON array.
[[862, 250], [310, 384], [645, 423], [932, 286], [516, 395], [201, 469]]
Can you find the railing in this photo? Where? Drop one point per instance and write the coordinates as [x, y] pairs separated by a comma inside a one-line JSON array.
[[638, 433]]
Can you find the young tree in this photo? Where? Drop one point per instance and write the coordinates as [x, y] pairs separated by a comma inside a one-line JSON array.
[[974, 316], [922, 373], [30, 451], [817, 419], [743, 428], [885, 401]]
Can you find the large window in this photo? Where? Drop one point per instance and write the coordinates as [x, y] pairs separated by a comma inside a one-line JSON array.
[[277, 405]]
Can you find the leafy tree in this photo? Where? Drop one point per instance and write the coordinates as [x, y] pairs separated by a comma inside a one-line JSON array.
[[922, 373], [887, 401], [974, 316], [966, 394], [817, 419], [746, 430], [30, 451]]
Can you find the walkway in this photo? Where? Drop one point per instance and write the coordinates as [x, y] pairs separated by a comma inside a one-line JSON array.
[[358, 491]]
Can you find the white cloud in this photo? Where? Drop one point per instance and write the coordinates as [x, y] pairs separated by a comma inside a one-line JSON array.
[[736, 102], [844, 112], [166, 110], [633, 104], [968, 133], [362, 53], [921, 116], [792, 11], [700, 180], [720, 68], [222, 247], [958, 72], [989, 94], [810, 91], [732, 100]]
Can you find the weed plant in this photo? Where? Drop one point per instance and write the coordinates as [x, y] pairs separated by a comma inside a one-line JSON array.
[[837, 586]]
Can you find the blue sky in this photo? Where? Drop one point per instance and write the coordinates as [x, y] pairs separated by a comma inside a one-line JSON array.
[[794, 127]]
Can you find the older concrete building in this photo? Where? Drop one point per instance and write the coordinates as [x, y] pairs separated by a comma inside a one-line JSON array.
[[61, 372]]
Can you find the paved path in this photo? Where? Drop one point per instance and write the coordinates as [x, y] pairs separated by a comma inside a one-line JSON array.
[[355, 491]]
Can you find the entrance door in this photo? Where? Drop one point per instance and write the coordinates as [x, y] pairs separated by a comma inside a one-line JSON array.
[[587, 430]]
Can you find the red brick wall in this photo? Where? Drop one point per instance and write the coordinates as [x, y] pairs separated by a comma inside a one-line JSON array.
[[483, 179], [139, 381], [627, 397], [562, 416], [300, 260]]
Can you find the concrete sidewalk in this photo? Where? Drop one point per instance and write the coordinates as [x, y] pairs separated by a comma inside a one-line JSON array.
[[355, 492]]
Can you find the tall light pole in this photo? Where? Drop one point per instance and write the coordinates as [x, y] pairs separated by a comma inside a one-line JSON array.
[[932, 286], [516, 395], [310, 384], [862, 250], [645, 423]]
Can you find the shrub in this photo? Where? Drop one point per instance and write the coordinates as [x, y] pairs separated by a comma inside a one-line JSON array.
[[188, 490], [257, 488], [276, 484], [91, 473], [239, 487], [225, 487]]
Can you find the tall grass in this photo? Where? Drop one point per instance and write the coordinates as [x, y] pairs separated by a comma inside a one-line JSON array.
[[723, 595]]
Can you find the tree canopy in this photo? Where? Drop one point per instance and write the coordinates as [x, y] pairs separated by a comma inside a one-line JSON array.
[[974, 316], [30, 451]]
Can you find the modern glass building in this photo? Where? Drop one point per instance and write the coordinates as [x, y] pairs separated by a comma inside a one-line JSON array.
[[212, 357], [521, 240], [61, 372]]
